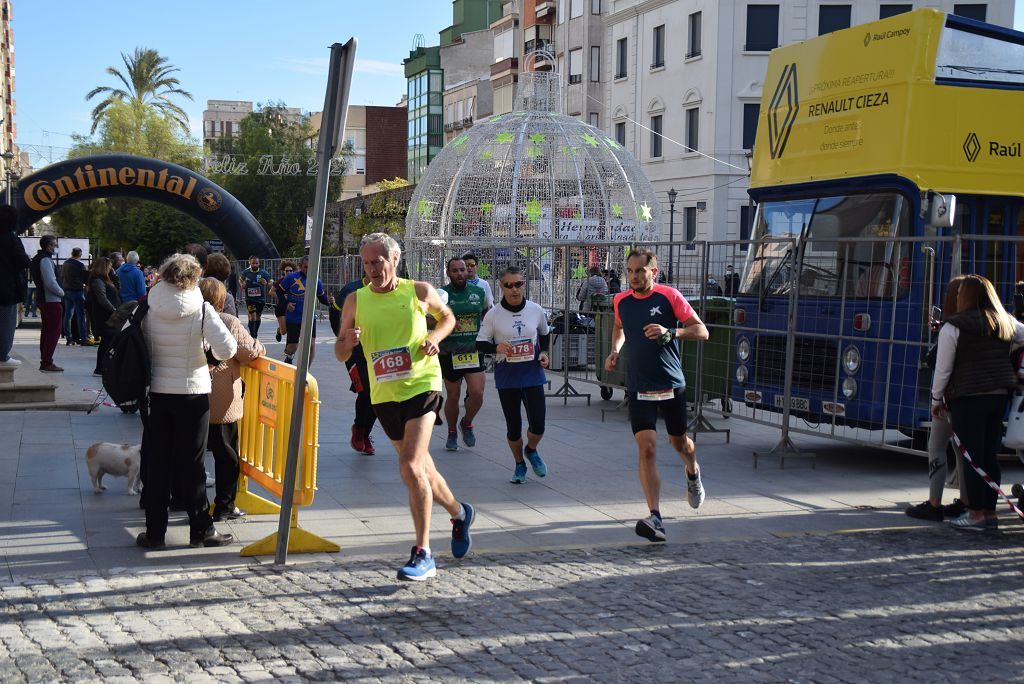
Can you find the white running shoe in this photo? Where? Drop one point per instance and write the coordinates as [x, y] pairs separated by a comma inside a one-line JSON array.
[[694, 490], [10, 363]]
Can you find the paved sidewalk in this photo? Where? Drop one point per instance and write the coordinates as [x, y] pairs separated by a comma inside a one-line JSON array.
[[754, 586]]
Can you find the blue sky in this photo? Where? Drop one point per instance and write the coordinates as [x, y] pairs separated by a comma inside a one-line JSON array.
[[257, 50]]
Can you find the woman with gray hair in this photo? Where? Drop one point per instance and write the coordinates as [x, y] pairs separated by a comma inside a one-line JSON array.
[[179, 328]]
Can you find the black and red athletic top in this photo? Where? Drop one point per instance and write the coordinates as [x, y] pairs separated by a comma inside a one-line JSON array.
[[649, 365]]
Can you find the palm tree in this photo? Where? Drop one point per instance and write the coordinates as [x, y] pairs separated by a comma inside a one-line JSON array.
[[148, 82]]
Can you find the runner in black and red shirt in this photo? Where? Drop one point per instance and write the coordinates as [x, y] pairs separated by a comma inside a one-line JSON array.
[[647, 319]]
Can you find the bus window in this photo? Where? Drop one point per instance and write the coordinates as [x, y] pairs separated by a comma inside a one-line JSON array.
[[835, 262]]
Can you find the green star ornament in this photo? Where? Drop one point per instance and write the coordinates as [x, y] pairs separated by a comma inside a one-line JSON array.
[[424, 209], [503, 138], [643, 212], [532, 211], [589, 139], [617, 210]]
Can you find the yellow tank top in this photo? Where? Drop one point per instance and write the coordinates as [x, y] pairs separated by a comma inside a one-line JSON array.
[[393, 325]]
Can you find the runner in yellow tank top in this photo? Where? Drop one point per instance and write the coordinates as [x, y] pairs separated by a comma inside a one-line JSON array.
[[387, 318]]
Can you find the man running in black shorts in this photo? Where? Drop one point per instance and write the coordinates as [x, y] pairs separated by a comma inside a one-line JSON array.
[[646, 317], [256, 281]]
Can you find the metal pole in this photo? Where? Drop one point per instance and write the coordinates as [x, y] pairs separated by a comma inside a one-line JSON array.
[[671, 237], [332, 126]]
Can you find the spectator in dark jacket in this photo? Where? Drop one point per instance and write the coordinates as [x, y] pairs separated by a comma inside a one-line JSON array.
[[73, 275], [133, 283], [13, 282], [102, 299]]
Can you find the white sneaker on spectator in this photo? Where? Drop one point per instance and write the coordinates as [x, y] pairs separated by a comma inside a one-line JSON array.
[[10, 363]]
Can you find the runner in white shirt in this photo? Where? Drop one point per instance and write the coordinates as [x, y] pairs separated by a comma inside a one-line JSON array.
[[472, 278], [517, 331]]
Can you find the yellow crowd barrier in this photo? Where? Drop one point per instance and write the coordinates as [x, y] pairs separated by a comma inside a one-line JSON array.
[[263, 449]]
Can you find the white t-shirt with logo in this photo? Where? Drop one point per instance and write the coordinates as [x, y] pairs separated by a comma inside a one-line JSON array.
[[522, 329]]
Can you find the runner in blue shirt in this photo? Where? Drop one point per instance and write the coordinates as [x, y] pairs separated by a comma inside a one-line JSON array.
[[646, 318], [255, 281], [294, 287], [517, 330]]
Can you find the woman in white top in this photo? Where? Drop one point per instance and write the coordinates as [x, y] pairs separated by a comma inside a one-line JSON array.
[[179, 328], [517, 331]]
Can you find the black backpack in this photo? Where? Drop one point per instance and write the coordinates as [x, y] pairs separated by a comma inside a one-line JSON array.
[[126, 364]]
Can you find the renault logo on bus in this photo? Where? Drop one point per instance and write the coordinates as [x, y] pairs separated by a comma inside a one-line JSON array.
[[782, 111], [972, 147]]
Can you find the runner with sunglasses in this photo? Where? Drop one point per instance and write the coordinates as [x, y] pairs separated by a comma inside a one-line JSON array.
[[517, 331]]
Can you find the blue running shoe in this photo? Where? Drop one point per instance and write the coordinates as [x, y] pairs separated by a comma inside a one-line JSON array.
[[539, 469], [453, 442], [520, 475], [467, 434], [420, 567], [461, 541]]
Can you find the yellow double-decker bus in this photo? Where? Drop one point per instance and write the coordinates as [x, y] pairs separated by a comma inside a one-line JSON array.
[[877, 145]]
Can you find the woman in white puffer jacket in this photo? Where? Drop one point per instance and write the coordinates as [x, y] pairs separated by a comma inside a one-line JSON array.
[[179, 327]]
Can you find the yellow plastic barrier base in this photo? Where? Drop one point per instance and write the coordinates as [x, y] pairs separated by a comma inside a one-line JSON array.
[[256, 505], [299, 541]]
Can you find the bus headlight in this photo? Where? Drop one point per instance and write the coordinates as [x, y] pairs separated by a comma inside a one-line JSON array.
[[851, 360], [741, 374], [743, 349], [849, 388]]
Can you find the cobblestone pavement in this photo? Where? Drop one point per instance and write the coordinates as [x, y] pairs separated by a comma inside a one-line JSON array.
[[928, 604]]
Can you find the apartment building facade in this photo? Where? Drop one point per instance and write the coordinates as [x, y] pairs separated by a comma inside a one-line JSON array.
[[10, 157], [375, 144]]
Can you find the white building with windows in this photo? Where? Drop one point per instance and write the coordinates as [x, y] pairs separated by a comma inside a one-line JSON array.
[[693, 71]]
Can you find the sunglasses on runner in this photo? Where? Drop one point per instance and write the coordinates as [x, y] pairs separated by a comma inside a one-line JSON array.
[[515, 285]]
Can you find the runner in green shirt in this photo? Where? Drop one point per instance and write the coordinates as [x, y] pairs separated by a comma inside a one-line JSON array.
[[459, 357]]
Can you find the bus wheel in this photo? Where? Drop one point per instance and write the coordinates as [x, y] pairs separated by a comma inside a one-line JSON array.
[[606, 393]]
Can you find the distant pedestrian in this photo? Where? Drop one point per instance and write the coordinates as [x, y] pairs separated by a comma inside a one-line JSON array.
[[49, 296], [218, 266], [133, 282], [712, 288], [102, 300], [14, 263], [73, 277], [593, 286], [732, 282]]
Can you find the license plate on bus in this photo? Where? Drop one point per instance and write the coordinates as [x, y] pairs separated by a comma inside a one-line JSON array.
[[795, 403]]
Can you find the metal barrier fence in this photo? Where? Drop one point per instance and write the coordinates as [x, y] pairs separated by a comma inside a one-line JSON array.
[[825, 336], [263, 447]]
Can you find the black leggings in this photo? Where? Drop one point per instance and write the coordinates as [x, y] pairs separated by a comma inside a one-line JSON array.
[[533, 399], [222, 440], [978, 422]]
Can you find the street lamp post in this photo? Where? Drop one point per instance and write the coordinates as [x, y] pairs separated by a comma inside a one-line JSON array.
[[671, 229], [8, 171]]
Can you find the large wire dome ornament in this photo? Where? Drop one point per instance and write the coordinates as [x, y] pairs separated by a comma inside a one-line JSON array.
[[533, 175]]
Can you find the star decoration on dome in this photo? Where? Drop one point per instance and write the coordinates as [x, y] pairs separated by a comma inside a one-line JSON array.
[[568, 151], [487, 155], [589, 139], [643, 212], [538, 138], [617, 210], [579, 272], [503, 138], [459, 215], [532, 211], [424, 209], [486, 208], [612, 144], [533, 151], [458, 142]]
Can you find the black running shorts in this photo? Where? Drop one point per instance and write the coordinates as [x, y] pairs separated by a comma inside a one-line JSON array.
[[452, 374], [643, 415], [393, 415]]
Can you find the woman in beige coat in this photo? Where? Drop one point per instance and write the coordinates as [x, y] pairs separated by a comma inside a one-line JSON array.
[[226, 404]]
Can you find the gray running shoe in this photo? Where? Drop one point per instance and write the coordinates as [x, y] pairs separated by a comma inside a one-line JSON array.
[[694, 490]]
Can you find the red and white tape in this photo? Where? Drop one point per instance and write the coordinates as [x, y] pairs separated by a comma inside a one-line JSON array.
[[984, 476], [99, 393]]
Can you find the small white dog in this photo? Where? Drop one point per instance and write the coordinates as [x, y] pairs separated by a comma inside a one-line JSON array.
[[105, 458]]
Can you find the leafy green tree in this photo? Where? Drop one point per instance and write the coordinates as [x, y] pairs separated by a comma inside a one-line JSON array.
[[277, 187], [148, 83], [385, 214], [154, 230]]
